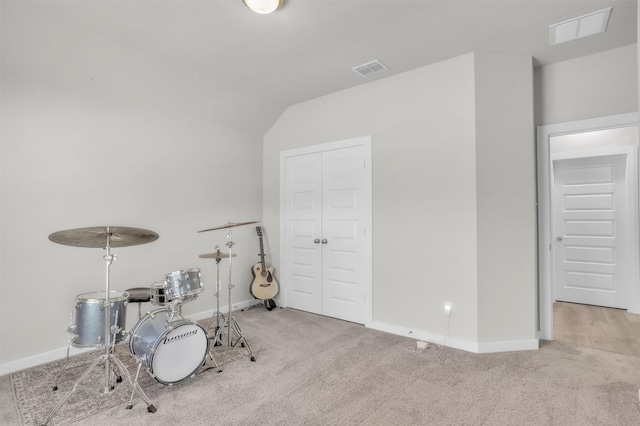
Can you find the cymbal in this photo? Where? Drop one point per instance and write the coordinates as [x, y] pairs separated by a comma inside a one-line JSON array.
[[216, 255], [228, 225], [96, 237]]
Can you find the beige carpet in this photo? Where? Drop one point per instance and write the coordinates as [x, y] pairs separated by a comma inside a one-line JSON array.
[[320, 371], [35, 398]]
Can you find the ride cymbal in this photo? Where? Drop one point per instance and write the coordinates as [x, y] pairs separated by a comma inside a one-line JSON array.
[[228, 225], [217, 255], [100, 236]]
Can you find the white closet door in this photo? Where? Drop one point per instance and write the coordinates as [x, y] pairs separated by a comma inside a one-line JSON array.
[[303, 225], [343, 233], [327, 235]]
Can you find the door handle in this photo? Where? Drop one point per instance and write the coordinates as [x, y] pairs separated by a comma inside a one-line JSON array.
[[317, 241], [324, 241], [558, 239]]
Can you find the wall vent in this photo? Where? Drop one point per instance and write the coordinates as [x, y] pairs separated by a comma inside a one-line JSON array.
[[582, 26], [370, 68]]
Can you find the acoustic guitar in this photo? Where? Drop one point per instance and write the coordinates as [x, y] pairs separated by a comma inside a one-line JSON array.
[[264, 286]]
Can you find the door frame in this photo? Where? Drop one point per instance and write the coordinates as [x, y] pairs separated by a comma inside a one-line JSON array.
[[546, 293], [366, 143]]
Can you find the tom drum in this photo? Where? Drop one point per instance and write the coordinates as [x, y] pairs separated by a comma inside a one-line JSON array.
[[184, 285], [88, 328]]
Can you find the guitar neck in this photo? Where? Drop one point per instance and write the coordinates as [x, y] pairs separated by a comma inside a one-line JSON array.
[[262, 264], [262, 255]]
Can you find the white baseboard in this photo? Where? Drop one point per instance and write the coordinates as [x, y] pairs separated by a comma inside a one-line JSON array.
[[509, 346], [39, 359], [438, 339], [61, 353], [451, 342]]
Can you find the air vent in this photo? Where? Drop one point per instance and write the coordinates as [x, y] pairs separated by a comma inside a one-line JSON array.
[[582, 26], [374, 67]]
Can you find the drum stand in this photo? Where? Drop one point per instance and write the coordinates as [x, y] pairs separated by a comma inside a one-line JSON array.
[[108, 356], [217, 314], [229, 321]]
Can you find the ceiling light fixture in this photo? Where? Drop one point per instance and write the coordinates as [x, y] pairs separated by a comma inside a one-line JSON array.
[[263, 7]]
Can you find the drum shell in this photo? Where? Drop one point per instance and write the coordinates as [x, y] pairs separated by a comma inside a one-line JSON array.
[[184, 285], [173, 351], [89, 318]]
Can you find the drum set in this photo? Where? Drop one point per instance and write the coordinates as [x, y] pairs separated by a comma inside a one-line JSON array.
[[172, 348]]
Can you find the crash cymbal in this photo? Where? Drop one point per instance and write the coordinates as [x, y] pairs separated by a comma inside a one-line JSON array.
[[228, 225], [216, 255], [96, 237]]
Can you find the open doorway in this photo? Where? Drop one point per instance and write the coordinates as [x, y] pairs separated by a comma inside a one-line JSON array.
[[577, 228]]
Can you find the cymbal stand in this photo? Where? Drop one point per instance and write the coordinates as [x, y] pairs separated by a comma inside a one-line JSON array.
[[230, 321], [108, 356], [217, 314]]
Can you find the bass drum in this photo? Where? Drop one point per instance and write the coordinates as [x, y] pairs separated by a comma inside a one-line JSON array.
[[173, 351]]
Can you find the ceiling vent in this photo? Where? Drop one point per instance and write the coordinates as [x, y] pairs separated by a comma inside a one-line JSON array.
[[582, 26], [374, 67]]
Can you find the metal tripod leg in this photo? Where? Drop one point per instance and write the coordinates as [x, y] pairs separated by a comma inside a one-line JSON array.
[[123, 370], [133, 392], [219, 328], [257, 302], [214, 362], [69, 340], [241, 339], [73, 388], [134, 384], [64, 367], [233, 328], [229, 320], [217, 339]]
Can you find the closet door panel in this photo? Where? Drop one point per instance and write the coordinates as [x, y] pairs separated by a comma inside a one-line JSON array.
[[343, 230], [303, 210]]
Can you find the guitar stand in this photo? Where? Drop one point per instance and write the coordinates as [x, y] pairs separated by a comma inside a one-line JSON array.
[[269, 304]]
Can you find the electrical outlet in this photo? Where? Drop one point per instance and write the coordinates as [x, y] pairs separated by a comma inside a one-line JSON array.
[[448, 307]]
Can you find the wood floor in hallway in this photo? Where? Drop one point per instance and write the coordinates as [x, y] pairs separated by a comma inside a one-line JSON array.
[[613, 330]]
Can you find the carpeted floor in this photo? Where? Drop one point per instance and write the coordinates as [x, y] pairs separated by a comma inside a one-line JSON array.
[[316, 370], [35, 398]]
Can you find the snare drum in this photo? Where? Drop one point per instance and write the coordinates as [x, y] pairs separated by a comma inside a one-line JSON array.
[[89, 319], [157, 293], [173, 351], [184, 285]]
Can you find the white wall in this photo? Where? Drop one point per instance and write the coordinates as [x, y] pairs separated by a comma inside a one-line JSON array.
[[588, 87], [425, 191], [505, 149], [70, 161]]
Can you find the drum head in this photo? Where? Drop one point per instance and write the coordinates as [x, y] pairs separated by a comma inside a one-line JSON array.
[[180, 353]]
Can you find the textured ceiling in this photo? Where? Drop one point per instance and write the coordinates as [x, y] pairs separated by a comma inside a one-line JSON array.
[[219, 60]]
